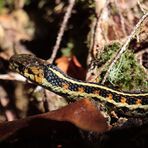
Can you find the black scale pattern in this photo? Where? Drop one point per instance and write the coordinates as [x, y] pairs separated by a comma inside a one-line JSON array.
[[56, 81]]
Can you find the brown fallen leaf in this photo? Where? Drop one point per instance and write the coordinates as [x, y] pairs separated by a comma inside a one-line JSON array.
[[76, 70], [72, 67], [82, 114], [63, 63]]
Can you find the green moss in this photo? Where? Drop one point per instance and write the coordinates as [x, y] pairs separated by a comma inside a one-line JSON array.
[[126, 74], [108, 53]]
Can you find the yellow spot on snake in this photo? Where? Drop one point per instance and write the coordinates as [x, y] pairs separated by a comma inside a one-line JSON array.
[[65, 85], [26, 71], [38, 79], [138, 101], [97, 92], [123, 100], [110, 96], [81, 89], [35, 70]]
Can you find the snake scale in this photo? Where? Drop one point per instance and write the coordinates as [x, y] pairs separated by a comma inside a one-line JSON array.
[[52, 78]]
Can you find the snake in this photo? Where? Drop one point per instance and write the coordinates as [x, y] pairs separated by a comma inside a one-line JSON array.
[[52, 78]]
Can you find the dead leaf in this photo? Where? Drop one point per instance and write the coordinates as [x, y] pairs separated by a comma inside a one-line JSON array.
[[82, 114], [76, 70], [63, 63], [72, 67]]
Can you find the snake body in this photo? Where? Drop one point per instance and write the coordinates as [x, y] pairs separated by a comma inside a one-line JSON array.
[[53, 79]]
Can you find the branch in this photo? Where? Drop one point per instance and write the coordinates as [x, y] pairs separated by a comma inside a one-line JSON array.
[[62, 29], [12, 76]]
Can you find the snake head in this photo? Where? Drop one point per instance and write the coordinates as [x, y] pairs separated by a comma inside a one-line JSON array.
[[29, 66]]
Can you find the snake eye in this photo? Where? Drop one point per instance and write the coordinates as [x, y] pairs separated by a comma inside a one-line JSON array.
[[29, 70]]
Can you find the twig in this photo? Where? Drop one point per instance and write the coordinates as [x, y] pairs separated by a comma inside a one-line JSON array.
[[62, 29], [12, 76], [125, 46], [138, 56], [98, 37], [45, 101], [9, 112], [139, 4], [5, 103]]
